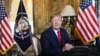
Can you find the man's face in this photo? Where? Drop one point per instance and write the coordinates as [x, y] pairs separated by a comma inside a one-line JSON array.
[[56, 22]]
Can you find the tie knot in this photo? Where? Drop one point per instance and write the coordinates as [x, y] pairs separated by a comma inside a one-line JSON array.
[[58, 31]]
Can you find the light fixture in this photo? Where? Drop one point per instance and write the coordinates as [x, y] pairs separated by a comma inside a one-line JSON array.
[[69, 16], [68, 11]]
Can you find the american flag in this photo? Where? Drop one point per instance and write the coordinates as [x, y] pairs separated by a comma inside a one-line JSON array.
[[6, 41], [87, 25]]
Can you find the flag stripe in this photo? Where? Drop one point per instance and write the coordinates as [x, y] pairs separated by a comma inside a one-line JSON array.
[[87, 25], [83, 28], [81, 32], [4, 35], [89, 16], [92, 12], [5, 30], [89, 20], [94, 21], [1, 49], [5, 42], [90, 26], [3, 46], [7, 24]]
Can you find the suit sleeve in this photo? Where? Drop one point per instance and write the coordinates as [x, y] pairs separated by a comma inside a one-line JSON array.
[[67, 40], [46, 47]]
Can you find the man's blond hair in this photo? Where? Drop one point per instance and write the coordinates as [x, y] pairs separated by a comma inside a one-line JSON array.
[[54, 15]]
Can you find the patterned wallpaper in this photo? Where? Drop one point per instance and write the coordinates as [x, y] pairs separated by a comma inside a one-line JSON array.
[[43, 9]]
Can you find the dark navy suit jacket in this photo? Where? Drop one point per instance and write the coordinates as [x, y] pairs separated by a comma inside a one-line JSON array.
[[49, 42]]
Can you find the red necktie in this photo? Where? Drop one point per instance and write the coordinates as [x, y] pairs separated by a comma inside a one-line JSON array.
[[59, 36]]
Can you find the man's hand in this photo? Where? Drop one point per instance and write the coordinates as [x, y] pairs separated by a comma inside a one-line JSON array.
[[67, 47]]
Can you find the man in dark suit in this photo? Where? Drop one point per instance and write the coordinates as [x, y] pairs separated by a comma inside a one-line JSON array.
[[55, 40]]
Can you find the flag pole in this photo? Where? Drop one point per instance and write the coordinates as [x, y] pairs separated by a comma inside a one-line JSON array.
[[34, 25], [21, 31], [98, 15]]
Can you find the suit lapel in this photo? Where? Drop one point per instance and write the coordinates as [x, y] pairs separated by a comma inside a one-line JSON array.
[[53, 34]]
